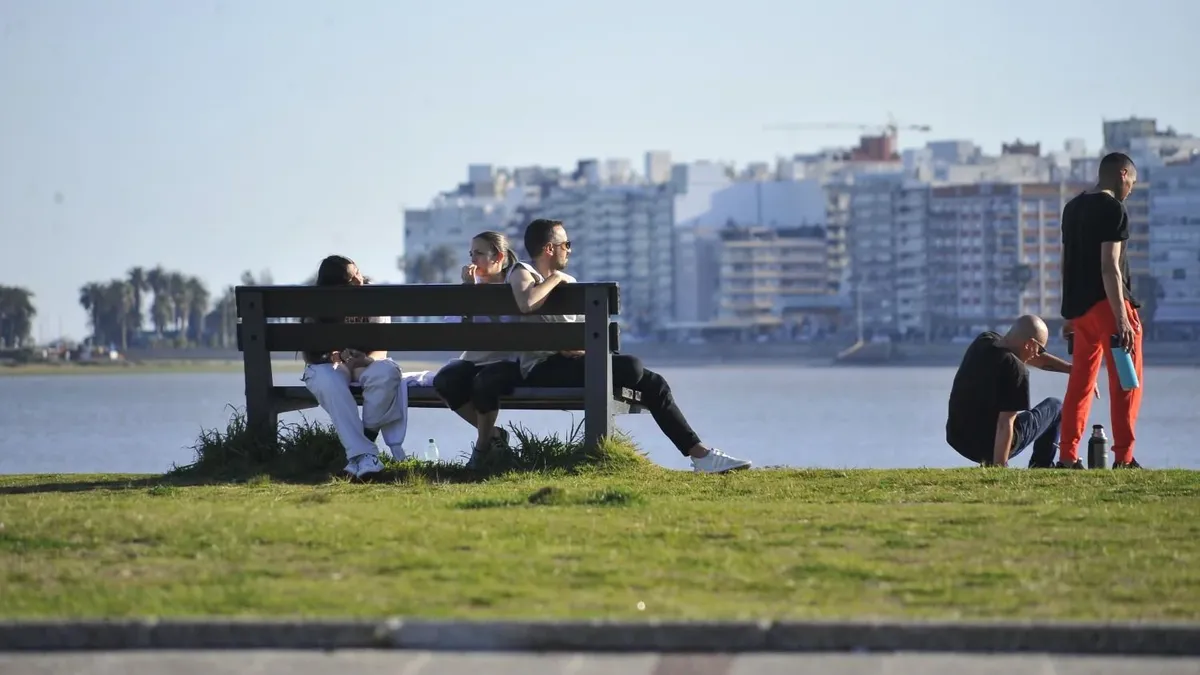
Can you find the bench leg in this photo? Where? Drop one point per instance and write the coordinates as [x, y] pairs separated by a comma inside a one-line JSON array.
[[597, 426], [262, 420]]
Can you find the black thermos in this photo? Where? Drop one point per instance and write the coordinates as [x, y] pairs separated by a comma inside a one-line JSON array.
[[1098, 448]]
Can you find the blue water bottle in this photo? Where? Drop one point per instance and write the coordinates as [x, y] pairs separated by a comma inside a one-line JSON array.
[[1124, 362]]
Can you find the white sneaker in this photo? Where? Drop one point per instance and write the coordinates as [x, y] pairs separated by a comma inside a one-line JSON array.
[[718, 462], [363, 465]]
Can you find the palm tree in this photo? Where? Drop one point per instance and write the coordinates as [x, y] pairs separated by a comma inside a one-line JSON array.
[[199, 296], [16, 315], [118, 300], [444, 263], [180, 302], [91, 297], [221, 322], [161, 310], [139, 283]]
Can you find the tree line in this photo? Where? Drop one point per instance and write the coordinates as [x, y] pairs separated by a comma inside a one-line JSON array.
[[179, 307], [440, 265], [16, 316]]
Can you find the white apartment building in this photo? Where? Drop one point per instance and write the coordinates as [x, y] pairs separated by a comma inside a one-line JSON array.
[[871, 239], [769, 274], [487, 201], [696, 264], [658, 167], [910, 204], [1175, 241], [994, 253], [621, 233]]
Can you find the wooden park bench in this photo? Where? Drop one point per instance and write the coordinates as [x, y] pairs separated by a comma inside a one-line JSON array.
[[268, 321]]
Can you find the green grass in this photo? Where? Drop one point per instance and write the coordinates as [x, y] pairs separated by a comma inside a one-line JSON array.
[[553, 531]]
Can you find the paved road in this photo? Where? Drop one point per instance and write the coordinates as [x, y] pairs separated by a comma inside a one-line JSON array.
[[368, 662]]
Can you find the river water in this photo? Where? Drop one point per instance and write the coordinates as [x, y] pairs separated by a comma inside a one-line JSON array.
[[775, 415]]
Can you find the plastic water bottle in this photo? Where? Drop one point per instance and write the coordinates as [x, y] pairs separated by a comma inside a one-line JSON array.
[[1124, 363], [431, 452], [1098, 448]]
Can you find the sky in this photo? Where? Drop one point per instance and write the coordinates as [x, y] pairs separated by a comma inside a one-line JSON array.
[[220, 136]]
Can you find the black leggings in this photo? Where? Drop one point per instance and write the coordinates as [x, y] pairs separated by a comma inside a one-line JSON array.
[[463, 382], [568, 371]]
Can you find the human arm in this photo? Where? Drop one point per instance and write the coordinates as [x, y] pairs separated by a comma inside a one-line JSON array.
[[1068, 327], [1005, 422], [1053, 364], [1115, 235], [528, 293], [1114, 290], [1050, 363], [1012, 396]]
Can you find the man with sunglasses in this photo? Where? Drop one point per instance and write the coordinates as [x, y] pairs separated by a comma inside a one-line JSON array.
[[550, 249], [990, 420]]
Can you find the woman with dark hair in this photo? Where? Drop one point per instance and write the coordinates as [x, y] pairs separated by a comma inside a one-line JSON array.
[[328, 375], [472, 384]]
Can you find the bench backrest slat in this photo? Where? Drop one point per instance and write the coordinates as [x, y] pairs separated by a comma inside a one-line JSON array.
[[401, 337], [416, 300]]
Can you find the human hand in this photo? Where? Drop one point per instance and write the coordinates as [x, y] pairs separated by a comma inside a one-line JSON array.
[[1096, 391], [468, 274], [1125, 333], [1068, 328]]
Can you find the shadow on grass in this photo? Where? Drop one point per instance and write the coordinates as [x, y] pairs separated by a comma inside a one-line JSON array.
[[310, 453]]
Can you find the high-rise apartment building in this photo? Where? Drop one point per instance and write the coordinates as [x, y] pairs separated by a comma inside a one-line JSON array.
[[871, 239], [994, 254], [1175, 244], [658, 167], [620, 233], [768, 274]]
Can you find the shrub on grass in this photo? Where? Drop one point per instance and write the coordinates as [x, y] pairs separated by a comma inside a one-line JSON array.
[[312, 451]]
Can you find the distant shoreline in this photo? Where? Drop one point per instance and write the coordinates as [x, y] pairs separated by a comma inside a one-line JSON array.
[[280, 366], [166, 366]]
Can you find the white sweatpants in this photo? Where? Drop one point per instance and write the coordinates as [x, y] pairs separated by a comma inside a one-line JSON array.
[[384, 406]]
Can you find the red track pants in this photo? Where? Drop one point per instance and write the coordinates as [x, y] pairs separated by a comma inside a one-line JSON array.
[[1093, 335]]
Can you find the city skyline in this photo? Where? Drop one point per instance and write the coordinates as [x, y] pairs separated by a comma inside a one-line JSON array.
[[219, 137], [738, 176]]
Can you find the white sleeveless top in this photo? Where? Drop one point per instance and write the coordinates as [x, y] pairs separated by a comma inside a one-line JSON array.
[[483, 358], [530, 359]]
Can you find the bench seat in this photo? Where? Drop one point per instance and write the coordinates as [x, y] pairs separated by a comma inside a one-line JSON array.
[[292, 397]]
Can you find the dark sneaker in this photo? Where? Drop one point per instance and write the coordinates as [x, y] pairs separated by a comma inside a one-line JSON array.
[[499, 442], [1078, 464], [1131, 464]]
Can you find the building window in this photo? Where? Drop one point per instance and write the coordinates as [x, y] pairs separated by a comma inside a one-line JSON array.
[[1179, 275]]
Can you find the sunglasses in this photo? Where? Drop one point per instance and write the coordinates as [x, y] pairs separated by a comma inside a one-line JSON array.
[[565, 244]]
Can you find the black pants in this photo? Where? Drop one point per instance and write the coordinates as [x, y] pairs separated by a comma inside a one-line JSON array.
[[463, 382], [568, 371]]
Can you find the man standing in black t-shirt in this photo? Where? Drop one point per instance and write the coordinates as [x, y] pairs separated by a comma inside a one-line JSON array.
[[1098, 304], [990, 420]]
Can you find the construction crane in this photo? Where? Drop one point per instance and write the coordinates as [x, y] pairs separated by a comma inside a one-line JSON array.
[[890, 129]]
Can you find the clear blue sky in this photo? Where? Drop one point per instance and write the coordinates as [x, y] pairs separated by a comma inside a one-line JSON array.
[[215, 136]]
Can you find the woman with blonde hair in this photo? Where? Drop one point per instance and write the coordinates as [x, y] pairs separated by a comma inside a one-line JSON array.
[[472, 384]]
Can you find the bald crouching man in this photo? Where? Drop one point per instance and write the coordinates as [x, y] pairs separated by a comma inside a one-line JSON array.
[[990, 418]]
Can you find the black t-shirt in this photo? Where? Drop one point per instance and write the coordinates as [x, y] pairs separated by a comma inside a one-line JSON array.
[[990, 380], [1089, 220]]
